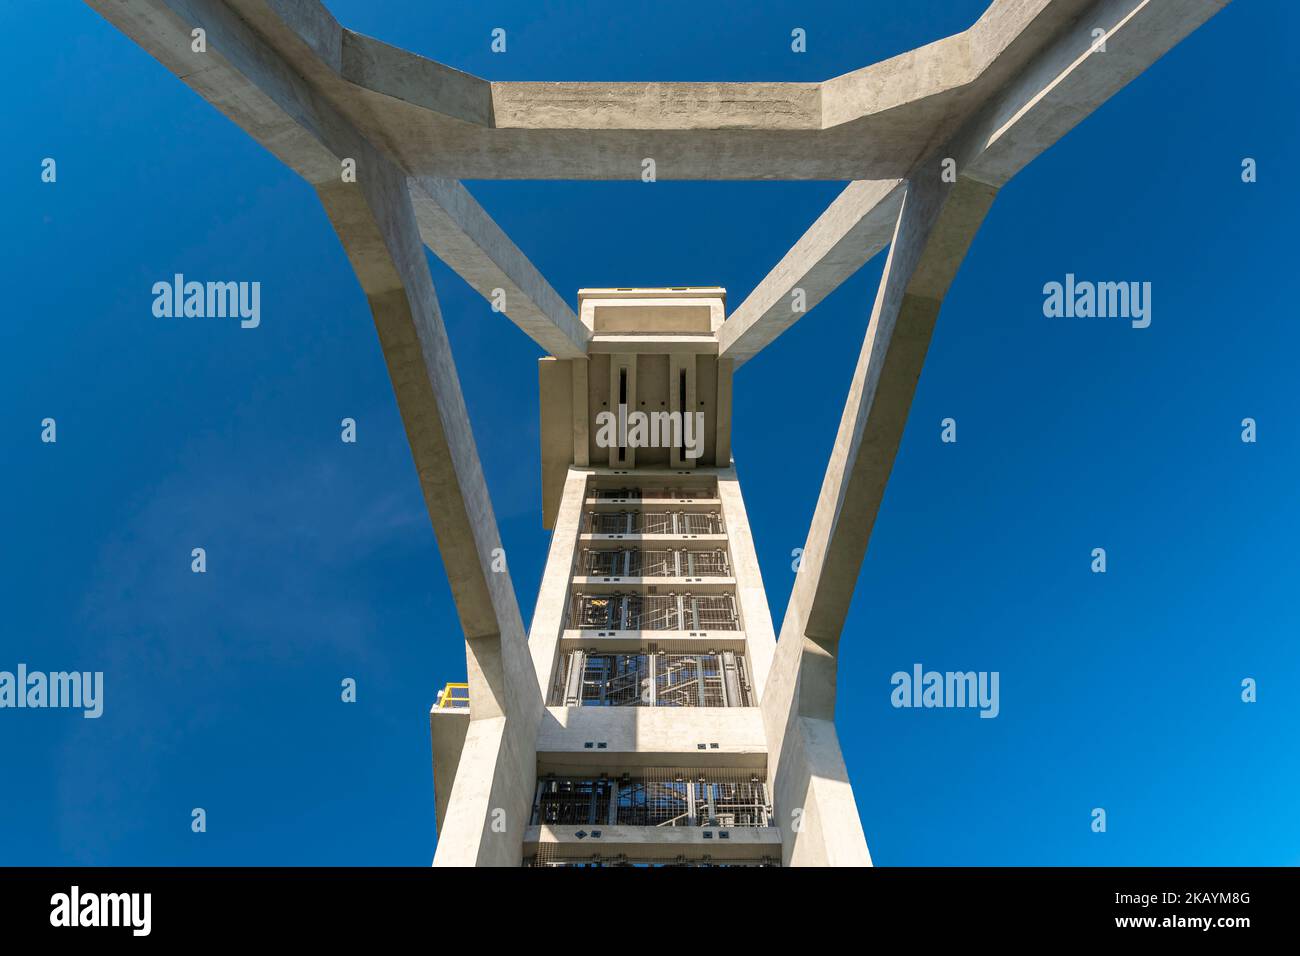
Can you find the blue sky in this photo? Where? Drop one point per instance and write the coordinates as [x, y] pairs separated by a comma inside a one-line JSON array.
[[1119, 691]]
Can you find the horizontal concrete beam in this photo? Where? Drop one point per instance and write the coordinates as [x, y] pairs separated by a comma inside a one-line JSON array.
[[870, 124], [435, 121], [650, 737], [653, 842]]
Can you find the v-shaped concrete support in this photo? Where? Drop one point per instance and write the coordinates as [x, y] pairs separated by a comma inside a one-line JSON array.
[[936, 225]]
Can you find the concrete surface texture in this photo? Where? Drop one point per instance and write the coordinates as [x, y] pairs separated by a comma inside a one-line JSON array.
[[652, 598]]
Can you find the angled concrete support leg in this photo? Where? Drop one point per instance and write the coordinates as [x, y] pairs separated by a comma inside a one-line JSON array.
[[376, 223], [850, 232], [935, 227], [460, 233]]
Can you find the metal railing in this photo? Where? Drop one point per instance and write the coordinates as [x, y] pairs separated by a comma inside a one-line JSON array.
[[652, 522], [647, 563], [653, 612], [453, 696], [552, 856], [587, 679], [655, 797]]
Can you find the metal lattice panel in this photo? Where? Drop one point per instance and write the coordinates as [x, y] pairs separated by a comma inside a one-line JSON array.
[[651, 680], [706, 522], [712, 612], [653, 612], [548, 855], [647, 563], [655, 797], [652, 522], [644, 494], [570, 801]]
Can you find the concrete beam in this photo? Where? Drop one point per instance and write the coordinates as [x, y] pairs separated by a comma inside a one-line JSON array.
[[936, 226], [264, 91], [576, 739], [447, 730], [240, 75], [460, 233], [278, 69], [656, 843], [873, 123], [376, 224], [856, 226], [552, 608], [755, 615], [1110, 45], [491, 796]]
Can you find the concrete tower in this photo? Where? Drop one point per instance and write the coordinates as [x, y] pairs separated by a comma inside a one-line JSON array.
[[652, 639]]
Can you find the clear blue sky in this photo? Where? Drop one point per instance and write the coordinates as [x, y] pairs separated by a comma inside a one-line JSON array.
[[1118, 691]]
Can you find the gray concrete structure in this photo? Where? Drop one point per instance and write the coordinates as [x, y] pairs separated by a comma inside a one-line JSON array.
[[650, 715]]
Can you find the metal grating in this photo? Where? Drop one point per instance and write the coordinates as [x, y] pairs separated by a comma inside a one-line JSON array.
[[568, 801], [643, 563], [651, 680], [655, 797], [653, 612], [549, 855], [646, 494], [652, 522]]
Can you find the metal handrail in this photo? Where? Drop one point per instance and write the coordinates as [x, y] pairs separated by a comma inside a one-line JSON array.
[[453, 696]]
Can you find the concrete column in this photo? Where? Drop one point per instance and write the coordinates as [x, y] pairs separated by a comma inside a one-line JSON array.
[[935, 227], [755, 615], [552, 600]]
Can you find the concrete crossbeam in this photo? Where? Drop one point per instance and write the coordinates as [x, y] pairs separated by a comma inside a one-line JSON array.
[[873, 123], [664, 843], [572, 739]]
